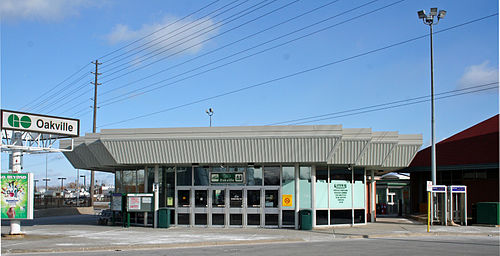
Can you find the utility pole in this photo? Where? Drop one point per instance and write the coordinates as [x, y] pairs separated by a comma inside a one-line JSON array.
[[62, 183], [95, 83]]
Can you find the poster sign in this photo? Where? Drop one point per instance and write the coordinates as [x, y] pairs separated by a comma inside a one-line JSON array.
[[17, 196], [134, 203], [20, 121], [287, 200], [227, 177], [116, 202]]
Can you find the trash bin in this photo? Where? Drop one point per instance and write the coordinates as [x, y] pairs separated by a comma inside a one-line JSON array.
[[163, 218], [306, 220], [488, 213]]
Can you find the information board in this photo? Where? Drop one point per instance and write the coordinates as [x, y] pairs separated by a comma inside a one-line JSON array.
[[116, 202], [139, 202]]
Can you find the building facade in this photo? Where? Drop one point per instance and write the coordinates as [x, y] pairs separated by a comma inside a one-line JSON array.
[[468, 158], [250, 176]]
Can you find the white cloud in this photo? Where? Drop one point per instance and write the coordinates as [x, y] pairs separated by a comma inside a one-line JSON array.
[[46, 10], [185, 35], [478, 75]]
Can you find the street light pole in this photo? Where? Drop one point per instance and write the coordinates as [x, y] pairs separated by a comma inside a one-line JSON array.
[[46, 185], [210, 113], [84, 181], [429, 20], [35, 183], [62, 182]]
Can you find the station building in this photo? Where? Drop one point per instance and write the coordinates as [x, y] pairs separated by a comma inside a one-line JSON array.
[[259, 176]]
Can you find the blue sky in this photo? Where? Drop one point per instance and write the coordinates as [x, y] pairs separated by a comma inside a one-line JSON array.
[[45, 42]]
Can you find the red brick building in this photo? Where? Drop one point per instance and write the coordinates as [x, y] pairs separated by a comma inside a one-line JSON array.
[[467, 158]]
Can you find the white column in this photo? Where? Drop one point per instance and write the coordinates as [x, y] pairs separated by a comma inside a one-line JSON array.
[[15, 225], [297, 193], [372, 197], [156, 189], [146, 189], [313, 195], [352, 195]]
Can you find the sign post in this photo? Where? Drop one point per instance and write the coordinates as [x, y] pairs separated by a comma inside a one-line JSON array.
[[27, 133]]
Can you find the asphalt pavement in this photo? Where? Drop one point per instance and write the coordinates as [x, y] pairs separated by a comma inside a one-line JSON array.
[[81, 233]]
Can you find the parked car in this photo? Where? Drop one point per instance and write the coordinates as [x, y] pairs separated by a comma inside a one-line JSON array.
[[105, 217]]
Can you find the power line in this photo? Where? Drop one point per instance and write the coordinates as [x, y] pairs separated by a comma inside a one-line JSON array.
[[112, 101], [387, 105], [295, 74], [213, 28], [170, 32], [53, 88], [219, 48], [156, 31]]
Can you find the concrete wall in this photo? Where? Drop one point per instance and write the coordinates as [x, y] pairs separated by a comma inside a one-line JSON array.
[[63, 211]]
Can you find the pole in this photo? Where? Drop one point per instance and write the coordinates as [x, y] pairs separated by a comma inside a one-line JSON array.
[[46, 174], [428, 211], [92, 172], [15, 225], [352, 195], [433, 126], [77, 187], [373, 196]]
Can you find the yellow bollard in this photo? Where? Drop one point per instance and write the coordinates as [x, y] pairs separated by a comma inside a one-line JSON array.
[[428, 211]]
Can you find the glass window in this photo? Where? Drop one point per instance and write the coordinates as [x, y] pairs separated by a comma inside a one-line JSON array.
[[218, 219], [288, 182], [184, 176], [200, 198], [183, 218], [271, 198], [271, 175], [168, 182], [151, 179], [118, 182], [129, 181], [140, 180], [254, 176], [305, 187], [235, 198], [288, 217], [359, 174], [253, 198], [322, 188], [340, 174], [322, 217], [201, 176], [235, 219], [183, 198], [359, 216], [253, 219], [271, 219], [200, 219], [340, 217], [218, 198]]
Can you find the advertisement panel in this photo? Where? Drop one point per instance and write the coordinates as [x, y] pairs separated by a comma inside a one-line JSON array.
[[17, 196], [20, 121]]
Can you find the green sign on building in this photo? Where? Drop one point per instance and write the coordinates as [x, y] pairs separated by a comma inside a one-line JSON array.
[[227, 177]]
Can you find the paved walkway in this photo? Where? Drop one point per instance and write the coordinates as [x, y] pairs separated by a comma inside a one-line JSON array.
[[80, 233]]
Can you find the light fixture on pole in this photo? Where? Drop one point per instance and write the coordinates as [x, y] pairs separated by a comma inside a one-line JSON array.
[[84, 181], [35, 184], [62, 182], [210, 113], [432, 19], [46, 184]]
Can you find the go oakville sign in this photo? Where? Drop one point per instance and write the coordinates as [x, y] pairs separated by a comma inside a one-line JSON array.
[[13, 120]]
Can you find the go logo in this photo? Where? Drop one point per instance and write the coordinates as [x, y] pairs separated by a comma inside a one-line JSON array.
[[14, 121]]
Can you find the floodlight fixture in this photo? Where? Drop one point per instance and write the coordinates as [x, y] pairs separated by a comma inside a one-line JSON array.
[[421, 14], [442, 13], [434, 12]]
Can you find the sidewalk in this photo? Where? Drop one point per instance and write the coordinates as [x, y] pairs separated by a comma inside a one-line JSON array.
[[80, 233]]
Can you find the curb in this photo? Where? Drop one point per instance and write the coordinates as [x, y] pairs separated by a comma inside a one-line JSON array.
[[150, 246], [421, 235]]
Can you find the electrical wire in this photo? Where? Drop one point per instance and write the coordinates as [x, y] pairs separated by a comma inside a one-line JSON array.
[[398, 103], [53, 88], [296, 73], [156, 31], [205, 32], [217, 49], [202, 19]]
